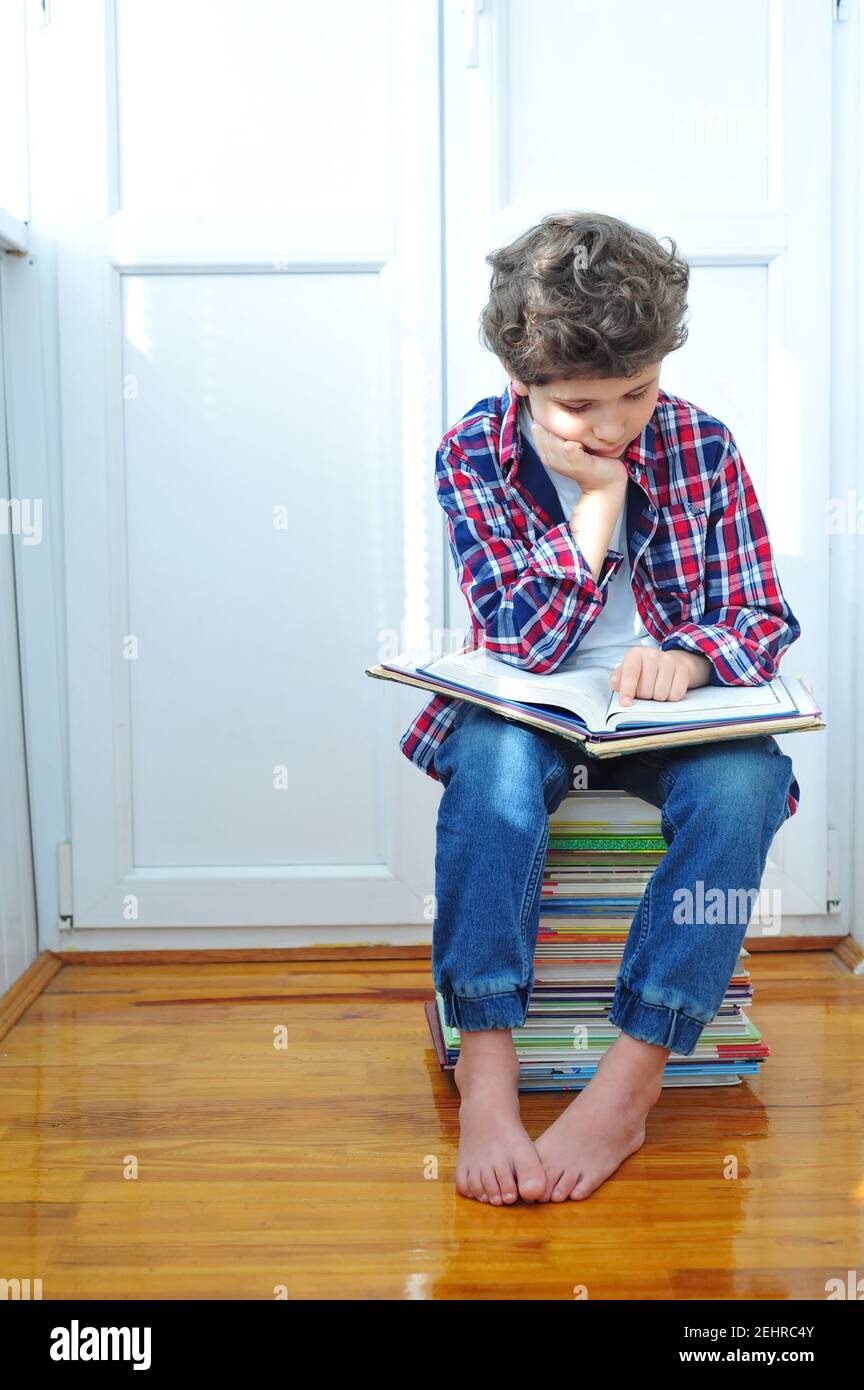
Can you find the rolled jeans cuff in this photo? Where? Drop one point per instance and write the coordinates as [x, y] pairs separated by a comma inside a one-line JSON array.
[[507, 1010], [654, 1023]]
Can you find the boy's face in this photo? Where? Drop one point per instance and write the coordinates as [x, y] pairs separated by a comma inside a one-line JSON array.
[[603, 414]]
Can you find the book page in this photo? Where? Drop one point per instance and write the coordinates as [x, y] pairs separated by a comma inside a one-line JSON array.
[[707, 703], [584, 693]]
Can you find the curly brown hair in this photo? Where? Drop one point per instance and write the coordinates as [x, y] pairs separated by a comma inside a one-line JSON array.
[[582, 295]]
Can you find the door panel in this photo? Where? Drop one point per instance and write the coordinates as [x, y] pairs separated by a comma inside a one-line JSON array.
[[237, 657]]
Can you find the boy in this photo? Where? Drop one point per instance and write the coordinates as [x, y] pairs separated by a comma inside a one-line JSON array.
[[581, 462]]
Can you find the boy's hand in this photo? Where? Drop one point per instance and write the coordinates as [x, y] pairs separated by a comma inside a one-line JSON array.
[[565, 456], [650, 674]]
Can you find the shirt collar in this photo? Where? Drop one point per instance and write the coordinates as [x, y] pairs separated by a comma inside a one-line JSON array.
[[640, 459]]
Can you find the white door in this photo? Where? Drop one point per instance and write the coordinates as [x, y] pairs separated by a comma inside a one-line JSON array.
[[249, 298], [710, 123]]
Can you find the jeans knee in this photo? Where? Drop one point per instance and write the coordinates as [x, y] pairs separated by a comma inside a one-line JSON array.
[[758, 776], [746, 781], [508, 770]]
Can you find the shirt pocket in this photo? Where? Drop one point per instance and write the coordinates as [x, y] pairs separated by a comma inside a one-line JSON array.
[[676, 560]]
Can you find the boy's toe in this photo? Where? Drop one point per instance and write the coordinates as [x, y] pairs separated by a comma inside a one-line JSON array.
[[530, 1177], [561, 1185], [506, 1182], [475, 1185], [490, 1186]]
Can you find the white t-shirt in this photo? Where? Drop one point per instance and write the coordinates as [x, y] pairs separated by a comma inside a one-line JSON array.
[[619, 625]]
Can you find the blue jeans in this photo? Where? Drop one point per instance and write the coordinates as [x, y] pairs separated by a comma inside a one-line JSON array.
[[720, 806]]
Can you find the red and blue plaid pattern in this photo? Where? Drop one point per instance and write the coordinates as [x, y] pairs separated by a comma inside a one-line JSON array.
[[703, 572]]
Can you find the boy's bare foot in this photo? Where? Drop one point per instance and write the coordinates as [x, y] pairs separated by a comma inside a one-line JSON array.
[[606, 1121], [497, 1160]]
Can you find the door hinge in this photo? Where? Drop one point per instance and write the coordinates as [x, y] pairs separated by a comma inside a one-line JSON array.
[[833, 870], [841, 11], [64, 885]]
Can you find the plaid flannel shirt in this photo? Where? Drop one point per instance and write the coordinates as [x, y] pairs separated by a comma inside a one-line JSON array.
[[703, 574]]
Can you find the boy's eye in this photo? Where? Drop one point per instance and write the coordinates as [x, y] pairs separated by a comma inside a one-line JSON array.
[[638, 396]]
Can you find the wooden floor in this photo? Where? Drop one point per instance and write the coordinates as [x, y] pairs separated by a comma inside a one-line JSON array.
[[304, 1166]]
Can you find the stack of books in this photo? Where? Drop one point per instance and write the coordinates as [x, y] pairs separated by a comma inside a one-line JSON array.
[[603, 848]]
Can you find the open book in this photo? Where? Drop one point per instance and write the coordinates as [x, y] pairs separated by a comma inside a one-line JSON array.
[[578, 703]]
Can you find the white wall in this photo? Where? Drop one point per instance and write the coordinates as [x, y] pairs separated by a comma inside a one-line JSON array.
[[18, 936], [33, 801], [846, 735], [18, 947]]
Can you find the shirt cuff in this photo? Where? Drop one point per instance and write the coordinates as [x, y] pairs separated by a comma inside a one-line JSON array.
[[723, 648]]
